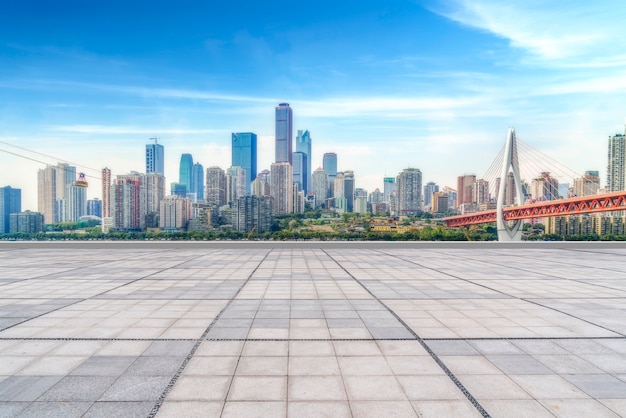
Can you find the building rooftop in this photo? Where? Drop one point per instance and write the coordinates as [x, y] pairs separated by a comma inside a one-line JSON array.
[[308, 329]]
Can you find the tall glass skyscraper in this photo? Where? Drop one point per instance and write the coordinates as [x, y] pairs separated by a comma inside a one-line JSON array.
[[329, 164], [300, 161], [244, 155], [284, 133], [185, 172], [197, 181], [10, 202], [303, 144], [155, 159]]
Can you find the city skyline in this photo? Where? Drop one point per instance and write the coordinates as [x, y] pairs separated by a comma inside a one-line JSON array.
[[427, 86]]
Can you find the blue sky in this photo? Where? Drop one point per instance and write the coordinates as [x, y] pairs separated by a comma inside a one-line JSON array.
[[385, 85]]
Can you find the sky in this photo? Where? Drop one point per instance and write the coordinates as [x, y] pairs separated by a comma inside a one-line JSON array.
[[386, 85]]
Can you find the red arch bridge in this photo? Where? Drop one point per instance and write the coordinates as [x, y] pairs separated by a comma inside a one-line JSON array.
[[573, 206]]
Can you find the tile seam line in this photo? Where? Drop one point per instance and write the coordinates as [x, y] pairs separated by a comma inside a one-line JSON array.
[[79, 300], [432, 354], [192, 352]]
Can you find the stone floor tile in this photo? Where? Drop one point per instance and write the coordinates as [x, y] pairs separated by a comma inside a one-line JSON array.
[[124, 409], [567, 408], [425, 387], [136, 388], [104, 366], [200, 388], [255, 409], [492, 387], [265, 348], [364, 366], [190, 409], [25, 388], [316, 388], [211, 366], [63, 409], [319, 409], [258, 388], [599, 386], [311, 348], [445, 408], [517, 408], [379, 388], [374, 409], [78, 389]]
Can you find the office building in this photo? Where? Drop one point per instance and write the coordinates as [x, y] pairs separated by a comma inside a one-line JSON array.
[[253, 214], [235, 183], [588, 184], [320, 187], [174, 213], [409, 192], [440, 202], [244, 155], [197, 181], [337, 185], [284, 133], [10, 202], [300, 161], [616, 168], [76, 202], [155, 158], [281, 187], [465, 184], [46, 193], [430, 188], [329, 164], [26, 222], [106, 193], [360, 204], [185, 172], [349, 189], [155, 191], [544, 187], [303, 144], [94, 207], [215, 186]]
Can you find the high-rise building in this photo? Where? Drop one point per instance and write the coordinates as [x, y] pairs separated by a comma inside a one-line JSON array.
[[244, 155], [464, 189], [281, 187], [338, 189], [360, 204], [76, 202], [588, 184], [430, 188], [303, 144], [26, 222], [65, 176], [389, 186], [94, 207], [155, 158], [174, 213], [480, 192], [264, 175], [128, 202], [299, 161], [349, 189], [329, 164], [46, 193], [616, 168], [106, 193], [185, 172], [259, 187], [298, 199], [10, 202], [409, 192], [320, 187], [284, 133], [197, 181], [544, 187], [235, 183], [215, 186], [253, 214], [155, 191], [440, 202]]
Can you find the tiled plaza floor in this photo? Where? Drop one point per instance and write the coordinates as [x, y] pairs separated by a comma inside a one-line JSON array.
[[272, 331]]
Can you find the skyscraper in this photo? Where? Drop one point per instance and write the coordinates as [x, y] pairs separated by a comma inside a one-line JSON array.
[[588, 184], [215, 186], [303, 144], [10, 202], [409, 191], [94, 207], [65, 176], [155, 191], [76, 202], [429, 189], [185, 172], [253, 214], [244, 155], [329, 164], [284, 133], [616, 168], [349, 189], [300, 162], [281, 187], [128, 202], [197, 181], [320, 187], [235, 183], [46, 193], [155, 158], [106, 193], [464, 189], [174, 213]]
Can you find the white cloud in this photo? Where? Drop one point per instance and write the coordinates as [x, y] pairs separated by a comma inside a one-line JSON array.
[[123, 130], [583, 33]]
